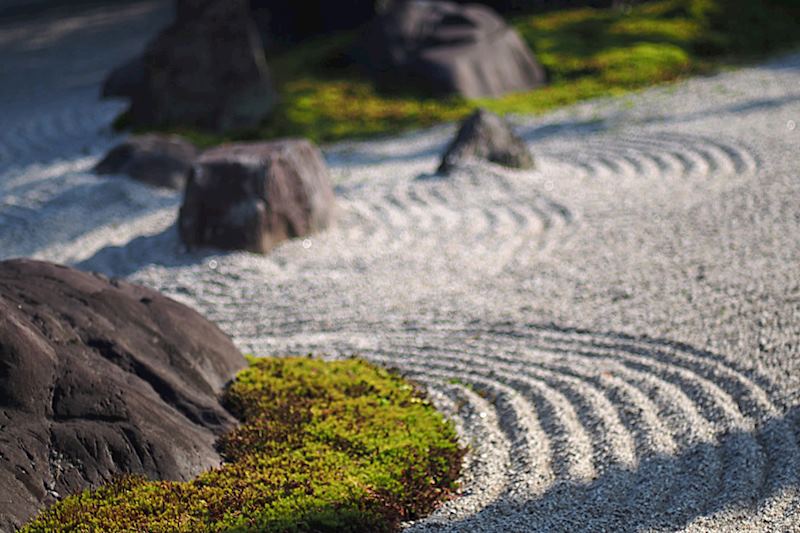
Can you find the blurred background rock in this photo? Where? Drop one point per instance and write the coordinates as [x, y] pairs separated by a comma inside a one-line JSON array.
[[320, 89]]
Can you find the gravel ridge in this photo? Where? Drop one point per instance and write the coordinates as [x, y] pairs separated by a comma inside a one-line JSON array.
[[615, 333]]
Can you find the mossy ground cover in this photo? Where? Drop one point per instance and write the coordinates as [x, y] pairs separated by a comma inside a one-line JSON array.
[[323, 446], [587, 53]]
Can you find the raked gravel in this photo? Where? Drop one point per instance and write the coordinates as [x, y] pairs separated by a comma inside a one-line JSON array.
[[616, 334]]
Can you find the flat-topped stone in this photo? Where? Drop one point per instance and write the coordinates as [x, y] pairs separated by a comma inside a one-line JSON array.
[[252, 196]]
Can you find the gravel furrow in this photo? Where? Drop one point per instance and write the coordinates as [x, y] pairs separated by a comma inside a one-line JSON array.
[[614, 333]]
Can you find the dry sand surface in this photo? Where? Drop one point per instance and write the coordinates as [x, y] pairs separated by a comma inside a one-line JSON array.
[[617, 333]]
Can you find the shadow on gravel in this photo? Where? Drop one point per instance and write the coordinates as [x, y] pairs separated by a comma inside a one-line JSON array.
[[739, 473], [343, 159], [666, 492], [790, 62], [568, 128], [576, 128], [73, 206], [750, 106], [162, 249]]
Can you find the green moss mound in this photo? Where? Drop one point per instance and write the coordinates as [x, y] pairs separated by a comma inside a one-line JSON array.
[[587, 53], [323, 446]]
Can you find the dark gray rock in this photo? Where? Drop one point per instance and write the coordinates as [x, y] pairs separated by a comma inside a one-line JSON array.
[[251, 196], [207, 70], [125, 81], [159, 160], [484, 135], [442, 47], [99, 378]]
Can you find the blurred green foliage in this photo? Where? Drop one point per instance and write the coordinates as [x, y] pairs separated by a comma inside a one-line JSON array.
[[587, 53], [323, 446]]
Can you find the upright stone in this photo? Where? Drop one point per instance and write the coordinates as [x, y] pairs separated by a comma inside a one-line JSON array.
[[484, 135], [252, 196], [206, 70]]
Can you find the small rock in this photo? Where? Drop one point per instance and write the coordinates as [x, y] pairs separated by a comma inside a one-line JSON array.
[[484, 135], [251, 196], [154, 159]]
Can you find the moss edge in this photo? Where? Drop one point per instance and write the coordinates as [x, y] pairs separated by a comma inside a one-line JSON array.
[[323, 446]]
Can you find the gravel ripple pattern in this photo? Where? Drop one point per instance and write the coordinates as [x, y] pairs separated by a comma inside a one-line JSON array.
[[614, 333]]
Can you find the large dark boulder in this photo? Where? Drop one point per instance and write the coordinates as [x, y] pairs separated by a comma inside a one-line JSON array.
[[100, 378], [441, 47], [206, 70], [486, 136], [251, 196], [154, 159]]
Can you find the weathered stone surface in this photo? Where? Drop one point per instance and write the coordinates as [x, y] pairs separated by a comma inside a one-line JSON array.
[[442, 47], [159, 160], [100, 378], [484, 135], [251, 196], [206, 70]]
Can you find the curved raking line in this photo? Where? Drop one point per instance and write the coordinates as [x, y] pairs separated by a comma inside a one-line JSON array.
[[661, 156], [637, 431], [491, 216]]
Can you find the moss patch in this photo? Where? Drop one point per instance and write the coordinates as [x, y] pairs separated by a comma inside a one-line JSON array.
[[323, 446], [587, 53]]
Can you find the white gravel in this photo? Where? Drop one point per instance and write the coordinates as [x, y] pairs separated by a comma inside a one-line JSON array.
[[616, 334]]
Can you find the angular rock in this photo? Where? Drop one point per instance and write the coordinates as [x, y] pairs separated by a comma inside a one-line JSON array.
[[484, 135], [206, 70], [251, 196], [441, 47], [154, 159], [100, 378]]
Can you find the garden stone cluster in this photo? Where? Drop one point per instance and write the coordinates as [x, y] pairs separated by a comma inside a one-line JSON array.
[[208, 69], [100, 378]]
